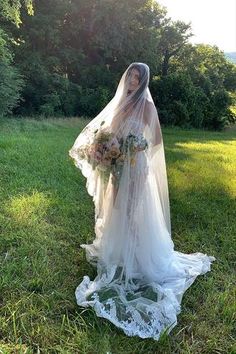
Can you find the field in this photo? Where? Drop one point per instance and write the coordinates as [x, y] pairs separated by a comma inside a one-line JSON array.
[[46, 213]]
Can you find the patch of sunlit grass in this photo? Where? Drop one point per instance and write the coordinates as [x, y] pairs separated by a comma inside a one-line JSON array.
[[30, 209], [206, 164]]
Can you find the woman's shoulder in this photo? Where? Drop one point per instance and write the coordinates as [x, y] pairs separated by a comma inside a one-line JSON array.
[[149, 110], [149, 106]]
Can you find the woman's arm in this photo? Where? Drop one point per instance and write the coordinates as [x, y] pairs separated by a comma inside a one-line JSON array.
[[151, 119]]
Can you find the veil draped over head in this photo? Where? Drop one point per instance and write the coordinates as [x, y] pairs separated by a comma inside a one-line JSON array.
[[140, 105], [140, 277]]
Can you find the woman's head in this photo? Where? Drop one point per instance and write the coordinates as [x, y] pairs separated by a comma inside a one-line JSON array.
[[132, 90], [137, 78]]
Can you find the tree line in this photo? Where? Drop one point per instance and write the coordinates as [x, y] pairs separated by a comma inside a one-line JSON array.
[[66, 57]]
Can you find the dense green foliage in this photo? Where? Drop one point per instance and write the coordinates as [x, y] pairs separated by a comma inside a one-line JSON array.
[[11, 9], [69, 56], [46, 213], [11, 81], [197, 90]]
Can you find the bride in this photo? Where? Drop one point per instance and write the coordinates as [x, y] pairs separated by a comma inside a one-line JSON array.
[[140, 277]]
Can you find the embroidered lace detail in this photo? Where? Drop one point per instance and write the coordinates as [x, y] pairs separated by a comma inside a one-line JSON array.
[[140, 309]]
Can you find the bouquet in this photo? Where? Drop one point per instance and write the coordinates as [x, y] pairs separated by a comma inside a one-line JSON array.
[[108, 154]]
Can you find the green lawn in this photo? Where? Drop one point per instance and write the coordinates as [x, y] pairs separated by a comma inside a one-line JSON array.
[[46, 214]]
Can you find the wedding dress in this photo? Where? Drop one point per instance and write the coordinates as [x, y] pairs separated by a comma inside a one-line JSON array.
[[140, 278]]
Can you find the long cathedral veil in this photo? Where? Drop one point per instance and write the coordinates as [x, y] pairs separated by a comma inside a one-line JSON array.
[[140, 277], [139, 103]]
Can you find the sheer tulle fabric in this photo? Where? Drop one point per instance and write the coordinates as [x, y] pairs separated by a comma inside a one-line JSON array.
[[140, 278]]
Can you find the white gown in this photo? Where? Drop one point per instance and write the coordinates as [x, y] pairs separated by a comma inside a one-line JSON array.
[[140, 277]]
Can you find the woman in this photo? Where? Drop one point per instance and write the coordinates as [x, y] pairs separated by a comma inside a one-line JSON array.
[[140, 277]]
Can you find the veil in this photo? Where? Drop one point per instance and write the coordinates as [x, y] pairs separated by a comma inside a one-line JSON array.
[[140, 105], [140, 277]]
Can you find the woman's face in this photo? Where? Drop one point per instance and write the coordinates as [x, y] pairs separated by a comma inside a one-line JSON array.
[[133, 80]]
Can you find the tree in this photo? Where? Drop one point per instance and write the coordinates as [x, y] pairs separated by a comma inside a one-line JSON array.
[[11, 80], [174, 36], [213, 75], [10, 10], [88, 43]]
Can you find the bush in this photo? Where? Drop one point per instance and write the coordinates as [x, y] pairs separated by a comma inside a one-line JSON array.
[[63, 99], [218, 113], [182, 103], [92, 101], [178, 100]]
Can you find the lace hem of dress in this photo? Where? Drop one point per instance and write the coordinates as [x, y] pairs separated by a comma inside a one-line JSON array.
[[141, 309]]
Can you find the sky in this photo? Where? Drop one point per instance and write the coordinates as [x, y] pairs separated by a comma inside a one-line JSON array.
[[213, 21]]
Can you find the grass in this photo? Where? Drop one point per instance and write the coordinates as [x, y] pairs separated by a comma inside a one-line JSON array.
[[46, 213]]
